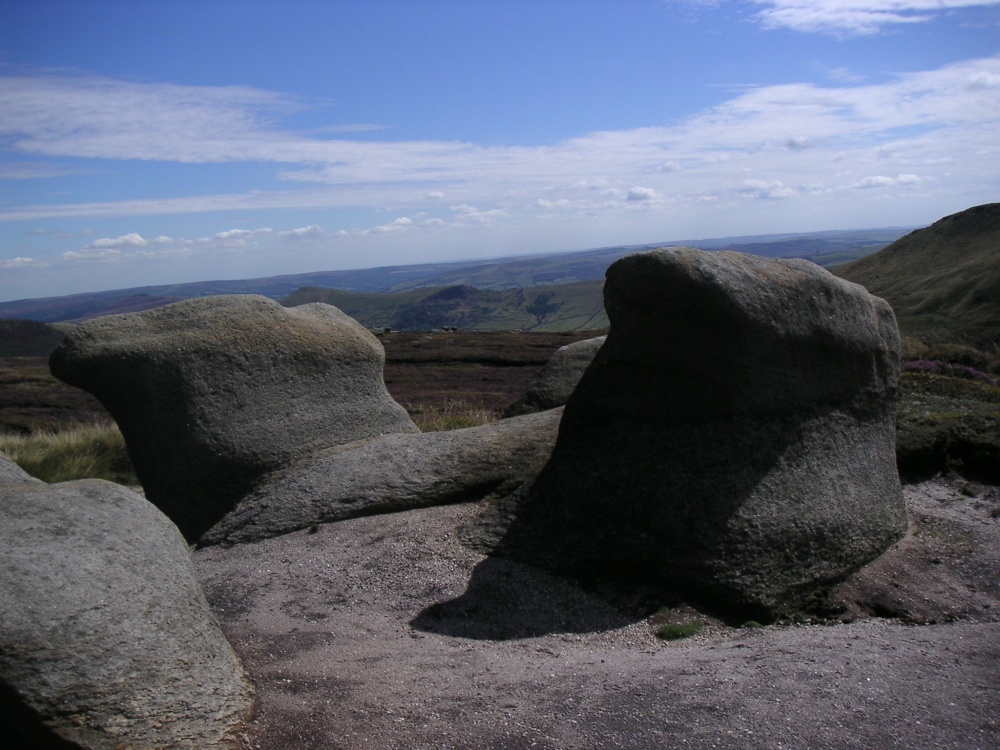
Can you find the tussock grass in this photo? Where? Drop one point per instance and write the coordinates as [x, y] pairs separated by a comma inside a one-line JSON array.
[[451, 414], [88, 451]]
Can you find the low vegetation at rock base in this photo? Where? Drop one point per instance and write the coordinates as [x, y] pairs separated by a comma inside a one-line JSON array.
[[452, 414], [672, 632], [95, 451]]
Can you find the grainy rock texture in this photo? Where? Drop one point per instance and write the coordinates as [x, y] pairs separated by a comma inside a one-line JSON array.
[[732, 439], [558, 378], [11, 472], [392, 473], [105, 636], [213, 393]]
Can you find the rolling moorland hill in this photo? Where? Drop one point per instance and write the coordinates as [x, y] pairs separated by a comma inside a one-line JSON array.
[[823, 248], [943, 281], [559, 307], [28, 338]]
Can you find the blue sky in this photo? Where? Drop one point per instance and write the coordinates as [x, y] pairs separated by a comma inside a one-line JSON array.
[[147, 142]]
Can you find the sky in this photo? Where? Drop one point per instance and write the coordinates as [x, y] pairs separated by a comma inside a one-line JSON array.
[[147, 142]]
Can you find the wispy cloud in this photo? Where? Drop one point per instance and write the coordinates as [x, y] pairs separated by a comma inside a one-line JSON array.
[[782, 141], [855, 17], [134, 246]]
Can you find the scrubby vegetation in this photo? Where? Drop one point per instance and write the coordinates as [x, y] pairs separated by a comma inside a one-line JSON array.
[[95, 450], [452, 414], [675, 632]]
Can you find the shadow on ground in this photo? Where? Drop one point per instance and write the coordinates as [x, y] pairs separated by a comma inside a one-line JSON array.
[[503, 601]]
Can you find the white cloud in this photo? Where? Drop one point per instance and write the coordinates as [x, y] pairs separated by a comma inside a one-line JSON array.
[[640, 195], [880, 181], [310, 231], [108, 253], [126, 240], [855, 17], [401, 223], [14, 264], [766, 189], [984, 80]]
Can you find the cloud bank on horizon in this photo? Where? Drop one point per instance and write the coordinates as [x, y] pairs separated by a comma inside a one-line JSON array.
[[761, 116]]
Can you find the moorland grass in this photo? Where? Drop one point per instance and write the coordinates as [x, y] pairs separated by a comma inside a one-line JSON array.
[[95, 450], [452, 414]]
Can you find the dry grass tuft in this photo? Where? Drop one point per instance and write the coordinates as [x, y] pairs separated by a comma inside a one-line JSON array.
[[95, 451], [451, 414]]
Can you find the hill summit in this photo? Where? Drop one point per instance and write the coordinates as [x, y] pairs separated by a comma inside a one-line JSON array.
[[943, 281]]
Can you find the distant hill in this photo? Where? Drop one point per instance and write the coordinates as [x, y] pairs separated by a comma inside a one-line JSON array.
[[74, 308], [28, 338], [943, 281], [823, 248], [560, 307]]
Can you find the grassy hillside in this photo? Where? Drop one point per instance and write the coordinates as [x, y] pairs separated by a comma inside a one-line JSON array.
[[942, 281], [560, 307]]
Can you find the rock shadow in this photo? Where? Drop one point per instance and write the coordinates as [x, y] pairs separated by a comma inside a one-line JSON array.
[[507, 599]]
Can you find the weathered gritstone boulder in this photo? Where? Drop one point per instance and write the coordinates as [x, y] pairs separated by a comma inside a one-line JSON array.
[[393, 473], [558, 378], [733, 438], [213, 393], [106, 639], [11, 472]]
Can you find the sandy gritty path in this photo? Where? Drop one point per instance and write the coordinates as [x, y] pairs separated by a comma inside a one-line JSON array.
[[385, 632]]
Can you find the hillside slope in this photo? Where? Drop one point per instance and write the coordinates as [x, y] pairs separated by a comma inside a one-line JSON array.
[[942, 281], [559, 307], [28, 338]]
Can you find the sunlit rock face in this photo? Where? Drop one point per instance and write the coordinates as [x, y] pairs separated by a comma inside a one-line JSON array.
[[734, 437], [106, 639]]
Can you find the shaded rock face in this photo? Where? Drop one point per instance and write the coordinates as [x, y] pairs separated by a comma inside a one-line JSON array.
[[106, 640], [734, 437], [213, 393], [558, 378], [393, 473]]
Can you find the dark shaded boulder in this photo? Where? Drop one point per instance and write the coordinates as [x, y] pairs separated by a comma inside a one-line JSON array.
[[106, 639], [393, 473], [732, 439], [558, 378], [213, 393]]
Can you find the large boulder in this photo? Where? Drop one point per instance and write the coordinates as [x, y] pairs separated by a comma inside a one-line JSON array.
[[733, 437], [393, 473], [558, 378], [106, 639], [213, 393]]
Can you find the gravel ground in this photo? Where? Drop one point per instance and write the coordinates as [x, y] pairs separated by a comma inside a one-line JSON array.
[[386, 632]]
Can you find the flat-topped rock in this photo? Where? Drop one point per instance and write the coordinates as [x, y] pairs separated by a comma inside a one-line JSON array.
[[734, 437], [213, 393]]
